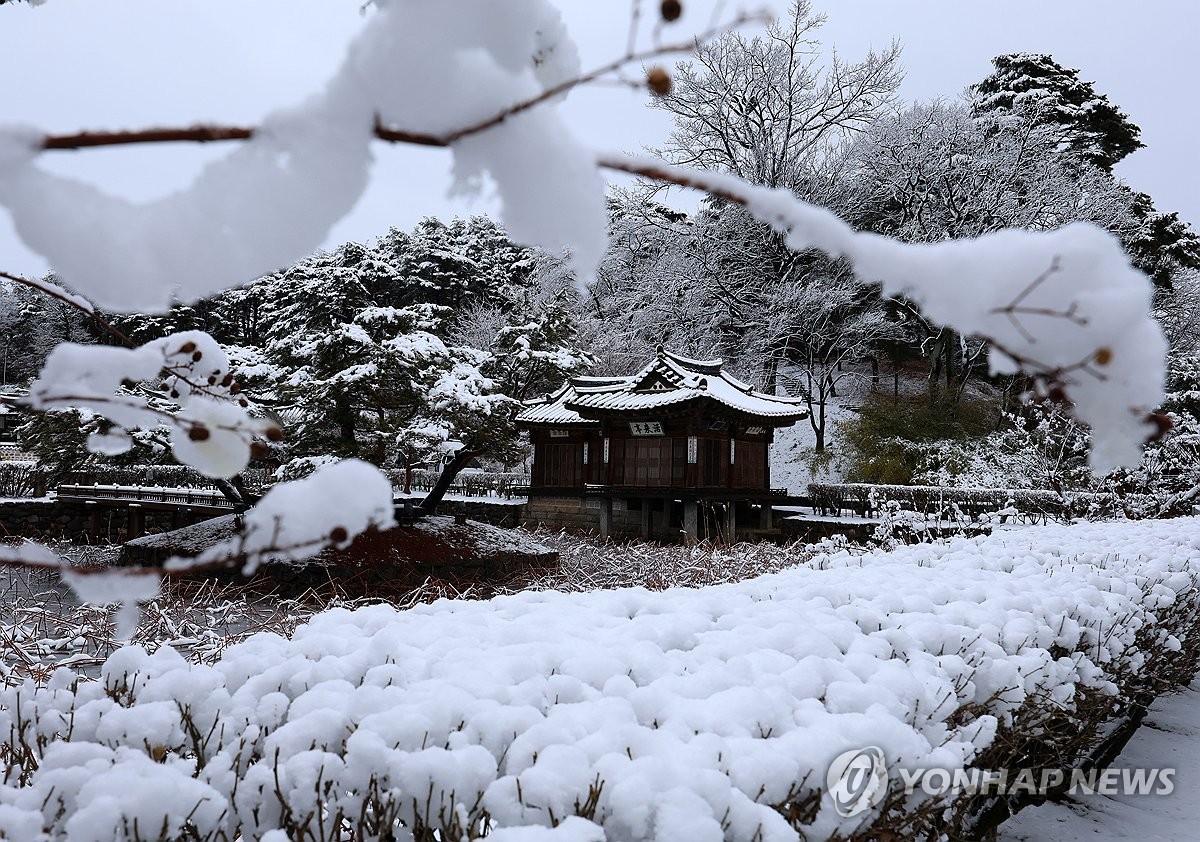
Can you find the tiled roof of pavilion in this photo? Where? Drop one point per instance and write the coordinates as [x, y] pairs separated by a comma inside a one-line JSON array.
[[666, 381]]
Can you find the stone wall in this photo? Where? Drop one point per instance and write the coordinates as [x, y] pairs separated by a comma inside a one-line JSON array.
[[41, 519], [631, 519], [49, 520], [557, 513], [499, 513], [660, 519]]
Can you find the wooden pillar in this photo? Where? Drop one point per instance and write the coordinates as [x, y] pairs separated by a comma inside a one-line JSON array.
[[137, 521], [767, 516], [691, 519], [731, 521], [647, 518], [605, 517], [767, 458], [95, 523], [730, 462]]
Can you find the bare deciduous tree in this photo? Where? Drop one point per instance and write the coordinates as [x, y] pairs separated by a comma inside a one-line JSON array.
[[764, 108]]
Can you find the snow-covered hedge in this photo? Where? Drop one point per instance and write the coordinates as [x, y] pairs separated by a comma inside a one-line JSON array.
[[868, 498], [702, 714]]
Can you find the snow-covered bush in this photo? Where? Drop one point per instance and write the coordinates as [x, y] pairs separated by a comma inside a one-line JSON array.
[[21, 479], [164, 476], [932, 500], [1043, 447], [711, 712], [888, 439]]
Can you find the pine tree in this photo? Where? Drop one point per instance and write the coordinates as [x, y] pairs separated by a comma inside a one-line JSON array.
[[1163, 245], [1037, 86]]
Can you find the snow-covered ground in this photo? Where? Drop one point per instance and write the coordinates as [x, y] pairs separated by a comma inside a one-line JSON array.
[[702, 712], [1169, 738]]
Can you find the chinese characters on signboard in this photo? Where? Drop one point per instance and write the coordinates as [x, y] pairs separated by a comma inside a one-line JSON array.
[[692, 450], [605, 451], [646, 428], [559, 434]]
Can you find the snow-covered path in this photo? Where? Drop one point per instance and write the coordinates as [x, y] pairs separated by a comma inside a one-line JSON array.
[[1169, 737]]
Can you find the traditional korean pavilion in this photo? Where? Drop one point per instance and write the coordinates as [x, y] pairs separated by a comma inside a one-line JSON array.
[[681, 446]]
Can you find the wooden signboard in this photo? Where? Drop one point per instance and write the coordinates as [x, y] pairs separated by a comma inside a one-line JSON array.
[[646, 428]]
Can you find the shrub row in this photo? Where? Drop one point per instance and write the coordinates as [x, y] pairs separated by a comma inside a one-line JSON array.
[[639, 715], [867, 499]]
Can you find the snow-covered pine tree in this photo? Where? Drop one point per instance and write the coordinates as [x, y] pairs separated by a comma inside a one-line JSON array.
[[1083, 120], [1162, 245], [1086, 125], [31, 324]]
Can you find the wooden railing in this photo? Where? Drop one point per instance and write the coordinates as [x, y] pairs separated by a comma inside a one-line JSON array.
[[469, 485], [138, 494]]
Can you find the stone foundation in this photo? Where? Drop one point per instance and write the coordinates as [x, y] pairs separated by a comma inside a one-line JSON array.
[[621, 519], [54, 520], [658, 519], [499, 513]]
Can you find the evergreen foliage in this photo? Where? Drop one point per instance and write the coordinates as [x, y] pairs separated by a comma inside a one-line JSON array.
[[1163, 245], [889, 440], [360, 351], [1082, 120]]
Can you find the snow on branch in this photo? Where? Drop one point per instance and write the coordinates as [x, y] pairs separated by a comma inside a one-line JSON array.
[[296, 520], [274, 199], [1064, 306], [193, 394], [54, 291]]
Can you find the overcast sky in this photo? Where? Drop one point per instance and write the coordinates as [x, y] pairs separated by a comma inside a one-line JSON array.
[[73, 64]]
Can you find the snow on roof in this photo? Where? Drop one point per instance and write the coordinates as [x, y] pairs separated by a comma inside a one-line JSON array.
[[699, 366], [550, 410], [667, 380], [597, 381]]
